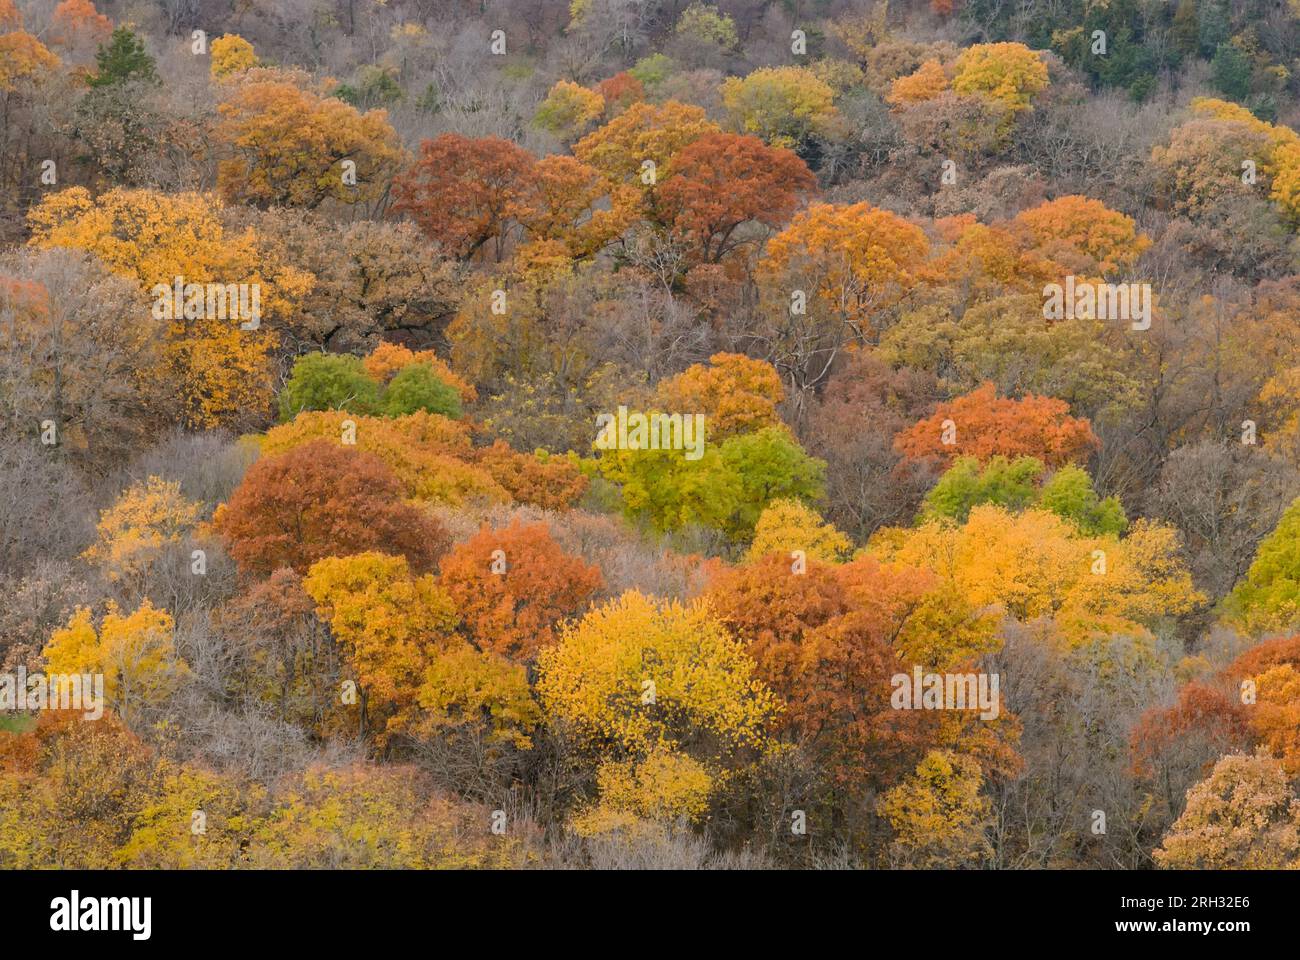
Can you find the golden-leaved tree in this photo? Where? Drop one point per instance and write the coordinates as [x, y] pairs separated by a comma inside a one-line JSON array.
[[661, 698], [220, 372], [134, 652]]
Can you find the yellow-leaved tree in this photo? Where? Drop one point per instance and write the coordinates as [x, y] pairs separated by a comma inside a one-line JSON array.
[[789, 525], [1008, 73], [786, 106], [938, 815], [1035, 564], [231, 54], [146, 518], [219, 371], [134, 652], [397, 632], [662, 698]]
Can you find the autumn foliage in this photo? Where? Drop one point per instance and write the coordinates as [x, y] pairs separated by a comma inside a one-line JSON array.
[[984, 425], [651, 421], [320, 500], [514, 586]]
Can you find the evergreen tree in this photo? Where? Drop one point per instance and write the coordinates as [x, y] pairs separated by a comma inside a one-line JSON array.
[[122, 59]]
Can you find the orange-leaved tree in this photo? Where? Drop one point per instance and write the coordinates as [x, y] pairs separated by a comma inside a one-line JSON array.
[[464, 192], [983, 425], [292, 147], [721, 182], [321, 500], [513, 586]]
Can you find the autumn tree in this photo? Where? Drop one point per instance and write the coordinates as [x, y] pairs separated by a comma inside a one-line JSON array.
[[1276, 714], [464, 192], [967, 484], [429, 455], [69, 789], [388, 623], [828, 639], [231, 55], [78, 27], [396, 630], [706, 24], [929, 80], [831, 279], [569, 110], [1204, 158], [1243, 816], [788, 525], [785, 106], [291, 147], [1016, 484], [736, 394], [162, 831], [320, 500], [565, 203], [637, 682], [10, 17], [1036, 564], [620, 91], [1073, 227], [1009, 73], [983, 425], [723, 181], [636, 147], [1069, 493], [23, 57], [1173, 747], [373, 816], [540, 479], [938, 814], [134, 652], [219, 370], [1004, 340], [145, 518], [856, 258], [390, 284], [513, 586]]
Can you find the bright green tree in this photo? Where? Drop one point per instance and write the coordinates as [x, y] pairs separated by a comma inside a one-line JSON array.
[[328, 381], [416, 388], [1268, 598]]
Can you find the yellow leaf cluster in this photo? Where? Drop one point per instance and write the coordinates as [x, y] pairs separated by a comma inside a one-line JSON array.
[[1008, 73], [427, 452], [220, 372], [645, 675], [788, 525], [145, 518], [134, 652], [1034, 564]]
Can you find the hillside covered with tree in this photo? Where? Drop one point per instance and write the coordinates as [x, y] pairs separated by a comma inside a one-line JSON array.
[[531, 434]]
